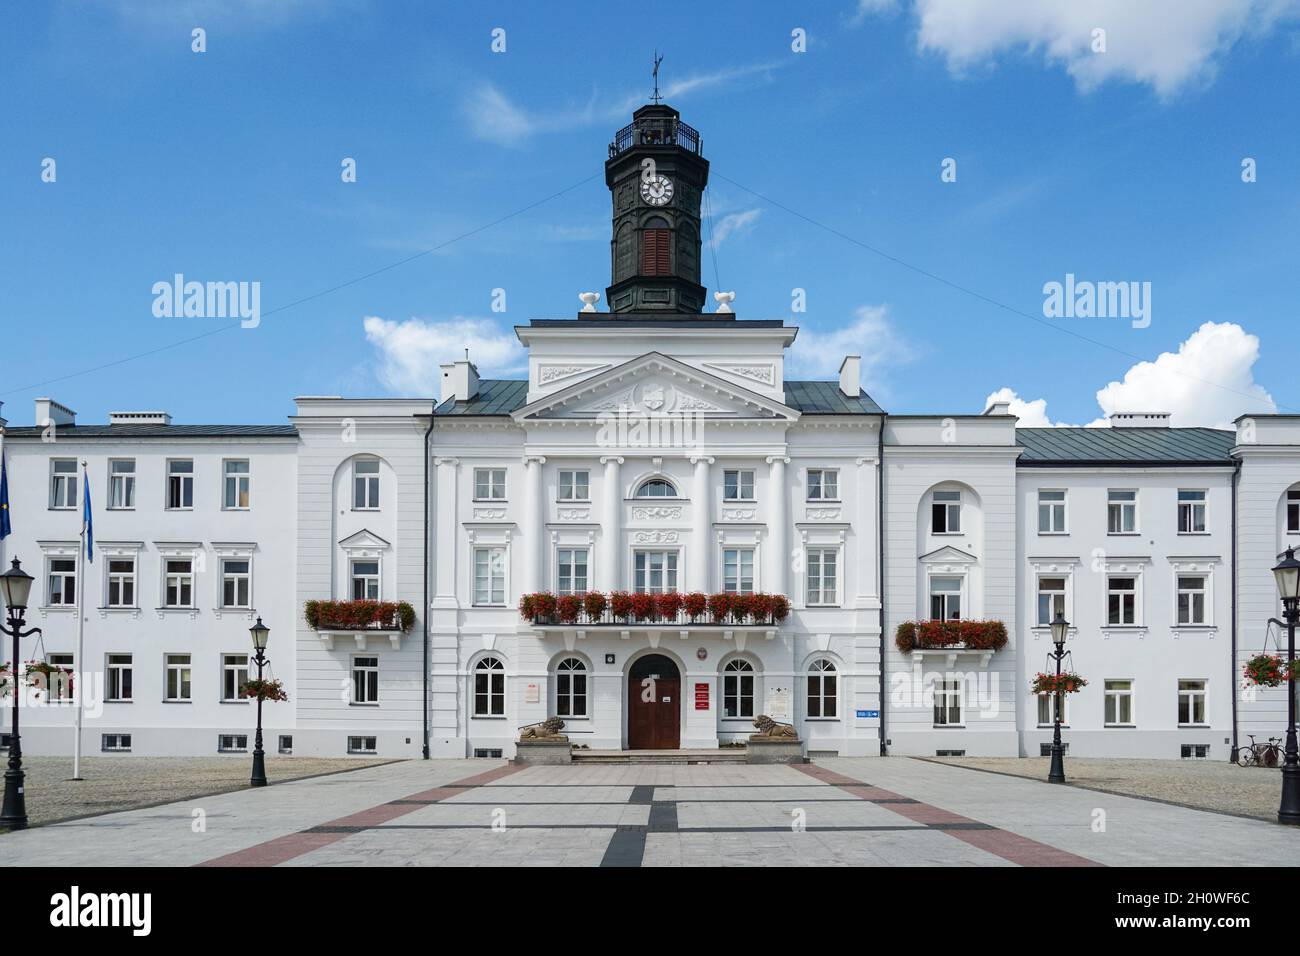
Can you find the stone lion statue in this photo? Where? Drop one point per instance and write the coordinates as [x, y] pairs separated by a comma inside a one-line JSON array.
[[767, 727], [548, 729]]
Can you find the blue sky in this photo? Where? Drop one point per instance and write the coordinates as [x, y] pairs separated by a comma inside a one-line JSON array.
[[1123, 165]]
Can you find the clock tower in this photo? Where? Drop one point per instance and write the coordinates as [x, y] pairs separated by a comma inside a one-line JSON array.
[[656, 174]]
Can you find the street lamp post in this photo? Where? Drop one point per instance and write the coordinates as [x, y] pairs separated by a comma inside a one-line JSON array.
[[1060, 629], [1287, 576], [17, 585], [261, 633]]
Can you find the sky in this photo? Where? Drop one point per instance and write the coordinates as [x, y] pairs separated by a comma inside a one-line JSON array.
[[913, 173]]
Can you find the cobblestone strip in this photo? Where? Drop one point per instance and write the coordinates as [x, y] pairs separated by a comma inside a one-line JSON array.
[[1010, 846]]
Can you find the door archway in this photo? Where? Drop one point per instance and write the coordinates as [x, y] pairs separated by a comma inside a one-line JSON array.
[[654, 707]]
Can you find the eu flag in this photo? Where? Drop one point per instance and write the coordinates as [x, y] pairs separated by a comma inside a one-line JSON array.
[[4, 499], [87, 525]]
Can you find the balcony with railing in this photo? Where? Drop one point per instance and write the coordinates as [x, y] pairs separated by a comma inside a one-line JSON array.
[[359, 620], [623, 610], [657, 131]]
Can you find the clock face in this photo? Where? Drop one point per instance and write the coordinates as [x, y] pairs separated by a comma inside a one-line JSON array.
[[657, 191]]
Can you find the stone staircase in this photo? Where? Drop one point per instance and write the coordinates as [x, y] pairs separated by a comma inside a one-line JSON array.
[[728, 755]]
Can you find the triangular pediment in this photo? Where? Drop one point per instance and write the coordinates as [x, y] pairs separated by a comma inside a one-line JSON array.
[[948, 555], [655, 384], [364, 539]]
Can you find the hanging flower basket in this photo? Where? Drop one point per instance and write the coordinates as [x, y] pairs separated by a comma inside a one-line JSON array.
[[42, 675], [1269, 670], [263, 690], [1066, 682]]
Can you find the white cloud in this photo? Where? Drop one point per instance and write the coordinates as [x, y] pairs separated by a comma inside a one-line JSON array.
[[409, 352], [735, 224], [871, 334], [1167, 44], [1208, 382]]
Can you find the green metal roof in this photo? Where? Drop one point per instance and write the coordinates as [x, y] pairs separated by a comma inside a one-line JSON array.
[[1046, 447], [825, 398], [496, 396], [159, 431]]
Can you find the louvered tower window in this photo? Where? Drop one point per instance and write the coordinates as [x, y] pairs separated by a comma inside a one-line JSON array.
[[656, 239]]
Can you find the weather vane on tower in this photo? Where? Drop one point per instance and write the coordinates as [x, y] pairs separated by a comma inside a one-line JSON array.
[[655, 73]]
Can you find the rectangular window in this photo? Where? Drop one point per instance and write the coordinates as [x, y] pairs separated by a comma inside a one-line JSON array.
[[121, 582], [1121, 511], [114, 742], [945, 599], [178, 583], [1191, 511], [178, 677], [237, 478], [823, 576], [571, 571], [1051, 512], [1047, 708], [1191, 599], [362, 745], [121, 484], [234, 675], [60, 685], [1121, 600], [490, 484], [945, 512], [1194, 751], [1191, 702], [574, 485], [490, 576], [1119, 703], [63, 483], [947, 703], [1051, 599], [738, 570], [655, 571], [365, 680], [365, 579], [365, 484], [285, 744], [62, 582], [738, 485], [120, 677], [1293, 512], [823, 484], [180, 484], [236, 582], [232, 743]]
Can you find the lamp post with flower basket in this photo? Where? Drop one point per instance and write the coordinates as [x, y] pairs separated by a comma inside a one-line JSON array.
[[1287, 576], [17, 585], [1058, 685]]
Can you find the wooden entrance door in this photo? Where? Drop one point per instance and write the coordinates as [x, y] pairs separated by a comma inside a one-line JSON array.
[[654, 705]]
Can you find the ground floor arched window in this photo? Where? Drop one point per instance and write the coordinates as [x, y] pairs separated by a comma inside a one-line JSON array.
[[823, 689], [571, 688], [738, 689], [490, 688]]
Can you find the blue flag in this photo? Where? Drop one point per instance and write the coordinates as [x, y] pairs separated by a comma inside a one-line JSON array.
[[87, 524], [4, 500]]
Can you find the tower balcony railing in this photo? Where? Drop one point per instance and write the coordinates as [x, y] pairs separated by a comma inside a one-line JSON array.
[[623, 609], [657, 132]]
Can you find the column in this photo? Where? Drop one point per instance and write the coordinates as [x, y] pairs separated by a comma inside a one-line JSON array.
[[610, 577], [446, 542], [533, 526], [698, 560], [778, 521]]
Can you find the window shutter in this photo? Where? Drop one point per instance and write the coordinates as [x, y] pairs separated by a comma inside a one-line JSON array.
[[655, 252]]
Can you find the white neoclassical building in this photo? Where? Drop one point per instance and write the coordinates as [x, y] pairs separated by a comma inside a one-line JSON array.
[[655, 506]]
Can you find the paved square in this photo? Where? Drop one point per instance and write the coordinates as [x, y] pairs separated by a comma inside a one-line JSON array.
[[836, 812]]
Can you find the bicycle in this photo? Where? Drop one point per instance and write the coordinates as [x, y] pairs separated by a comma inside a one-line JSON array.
[[1260, 755]]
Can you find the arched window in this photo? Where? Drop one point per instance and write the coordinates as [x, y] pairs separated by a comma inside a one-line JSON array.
[[571, 688], [657, 488], [822, 689], [656, 255], [738, 689], [489, 688]]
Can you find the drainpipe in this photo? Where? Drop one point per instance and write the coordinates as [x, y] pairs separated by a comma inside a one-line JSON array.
[[880, 563], [1232, 664], [424, 610]]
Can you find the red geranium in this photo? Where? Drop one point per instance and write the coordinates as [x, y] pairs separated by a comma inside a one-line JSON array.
[[695, 604], [594, 602], [667, 605], [643, 605], [720, 606], [567, 608], [620, 603]]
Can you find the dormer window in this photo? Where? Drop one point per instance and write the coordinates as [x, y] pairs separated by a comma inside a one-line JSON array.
[[657, 488]]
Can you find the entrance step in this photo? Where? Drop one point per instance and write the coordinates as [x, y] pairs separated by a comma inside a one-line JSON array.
[[728, 755]]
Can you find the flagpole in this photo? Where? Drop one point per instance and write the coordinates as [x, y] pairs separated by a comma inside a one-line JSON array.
[[79, 670]]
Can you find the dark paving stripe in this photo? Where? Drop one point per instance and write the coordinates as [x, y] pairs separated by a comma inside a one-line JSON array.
[[626, 847], [663, 817], [293, 845], [1009, 846], [642, 795]]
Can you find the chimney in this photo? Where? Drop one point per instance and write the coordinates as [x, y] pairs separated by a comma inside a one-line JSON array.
[[851, 376], [48, 410], [139, 418], [1139, 420], [998, 408], [459, 380]]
